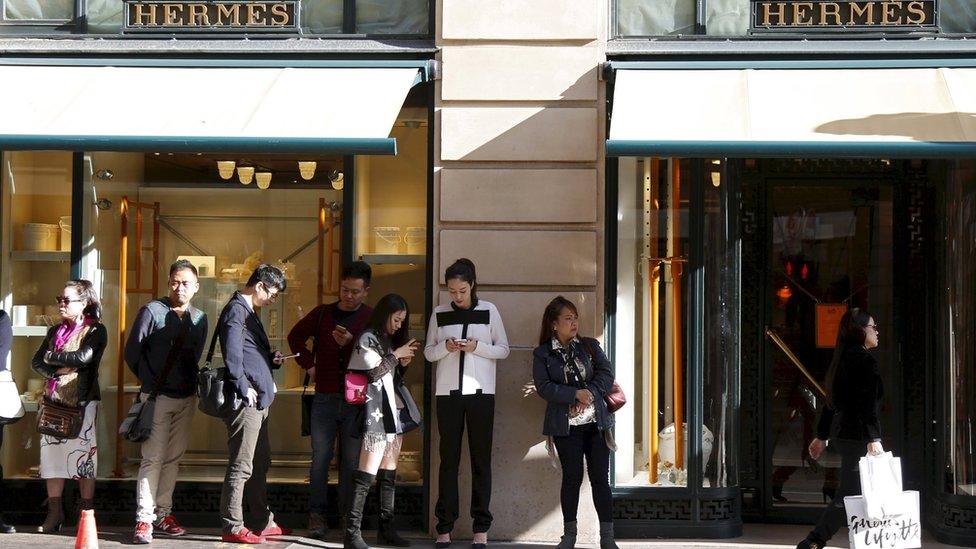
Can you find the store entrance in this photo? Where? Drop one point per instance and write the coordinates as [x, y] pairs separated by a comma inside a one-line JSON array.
[[829, 243]]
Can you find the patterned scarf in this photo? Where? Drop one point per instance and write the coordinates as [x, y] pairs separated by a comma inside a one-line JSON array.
[[68, 338]]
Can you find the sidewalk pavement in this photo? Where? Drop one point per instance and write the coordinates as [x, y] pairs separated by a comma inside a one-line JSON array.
[[755, 536]]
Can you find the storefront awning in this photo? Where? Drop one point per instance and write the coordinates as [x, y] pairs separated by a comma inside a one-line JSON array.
[[880, 113], [313, 110]]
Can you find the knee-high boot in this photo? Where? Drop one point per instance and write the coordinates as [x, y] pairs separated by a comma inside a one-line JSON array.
[[387, 534], [353, 539]]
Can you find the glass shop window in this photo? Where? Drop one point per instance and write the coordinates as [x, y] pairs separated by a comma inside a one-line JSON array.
[[653, 308]]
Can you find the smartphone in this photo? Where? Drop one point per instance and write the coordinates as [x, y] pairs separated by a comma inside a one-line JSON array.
[[461, 341], [342, 328], [290, 356]]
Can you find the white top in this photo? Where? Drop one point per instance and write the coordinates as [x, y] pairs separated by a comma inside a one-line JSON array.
[[467, 372]]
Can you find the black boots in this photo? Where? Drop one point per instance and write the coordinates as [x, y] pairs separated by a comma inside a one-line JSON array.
[[810, 542], [6, 528], [606, 536], [353, 538], [568, 541], [55, 517], [387, 534]]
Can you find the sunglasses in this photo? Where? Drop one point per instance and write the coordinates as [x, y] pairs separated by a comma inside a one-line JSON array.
[[64, 300]]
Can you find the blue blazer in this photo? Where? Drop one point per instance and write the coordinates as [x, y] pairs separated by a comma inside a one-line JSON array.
[[552, 385], [247, 352]]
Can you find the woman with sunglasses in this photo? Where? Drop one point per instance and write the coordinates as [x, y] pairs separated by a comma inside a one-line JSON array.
[[68, 358], [854, 395]]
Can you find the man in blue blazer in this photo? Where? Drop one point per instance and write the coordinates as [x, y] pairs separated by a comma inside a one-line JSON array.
[[249, 359]]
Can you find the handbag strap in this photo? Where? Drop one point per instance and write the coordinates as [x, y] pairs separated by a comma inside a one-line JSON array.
[[315, 348], [213, 346], [580, 381], [172, 356]]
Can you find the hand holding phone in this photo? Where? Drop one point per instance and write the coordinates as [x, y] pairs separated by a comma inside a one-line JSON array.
[[286, 357]]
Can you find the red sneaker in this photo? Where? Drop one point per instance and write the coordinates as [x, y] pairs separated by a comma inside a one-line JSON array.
[[170, 526], [143, 533], [242, 536], [274, 530]]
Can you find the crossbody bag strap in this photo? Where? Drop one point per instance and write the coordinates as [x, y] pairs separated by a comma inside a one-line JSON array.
[[171, 357], [315, 348]]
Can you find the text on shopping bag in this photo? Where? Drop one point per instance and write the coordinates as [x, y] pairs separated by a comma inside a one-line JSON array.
[[902, 531]]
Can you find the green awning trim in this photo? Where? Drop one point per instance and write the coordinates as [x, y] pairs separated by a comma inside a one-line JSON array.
[[150, 143], [917, 63], [790, 149]]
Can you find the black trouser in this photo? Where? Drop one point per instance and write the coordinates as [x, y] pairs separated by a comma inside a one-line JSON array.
[[585, 441], [834, 516], [453, 413]]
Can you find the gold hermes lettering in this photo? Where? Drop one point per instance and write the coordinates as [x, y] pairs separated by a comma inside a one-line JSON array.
[[198, 15], [860, 11], [801, 15], [916, 8], [768, 13], [232, 12], [888, 13], [280, 13], [255, 13], [172, 15], [831, 9], [144, 14]]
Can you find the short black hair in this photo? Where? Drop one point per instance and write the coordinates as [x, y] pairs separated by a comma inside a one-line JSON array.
[[183, 265], [270, 275], [358, 269]]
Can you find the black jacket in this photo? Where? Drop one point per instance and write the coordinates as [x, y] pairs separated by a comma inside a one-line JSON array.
[[154, 332], [247, 352], [85, 360], [857, 394], [552, 385]]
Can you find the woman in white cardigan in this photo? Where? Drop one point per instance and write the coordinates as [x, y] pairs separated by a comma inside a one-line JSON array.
[[465, 339]]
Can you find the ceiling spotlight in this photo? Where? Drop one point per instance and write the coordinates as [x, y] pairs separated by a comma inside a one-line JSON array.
[[104, 175], [263, 179], [245, 174], [226, 168], [337, 177], [307, 169]]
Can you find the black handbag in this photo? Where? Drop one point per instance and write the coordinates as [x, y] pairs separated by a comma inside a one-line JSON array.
[[306, 428], [215, 395], [138, 422]]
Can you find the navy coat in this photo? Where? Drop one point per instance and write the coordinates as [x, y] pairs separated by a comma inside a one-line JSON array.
[[247, 352], [552, 385]]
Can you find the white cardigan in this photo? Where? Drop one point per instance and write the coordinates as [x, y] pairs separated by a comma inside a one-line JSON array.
[[469, 372]]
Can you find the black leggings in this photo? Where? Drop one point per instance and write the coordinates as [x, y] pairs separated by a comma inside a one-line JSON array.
[[834, 516], [585, 440]]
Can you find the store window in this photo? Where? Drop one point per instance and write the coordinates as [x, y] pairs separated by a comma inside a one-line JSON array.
[[957, 329], [36, 246], [656, 263], [639, 18], [318, 17], [283, 209]]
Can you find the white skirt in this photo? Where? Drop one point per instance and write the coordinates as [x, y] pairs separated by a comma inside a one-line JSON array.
[[76, 457]]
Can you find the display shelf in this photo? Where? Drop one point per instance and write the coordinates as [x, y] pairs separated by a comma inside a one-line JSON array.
[[36, 255], [30, 331], [393, 259]]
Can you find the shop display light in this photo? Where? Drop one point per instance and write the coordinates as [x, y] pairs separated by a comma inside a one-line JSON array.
[[245, 174], [307, 169], [337, 177], [263, 179], [226, 168]]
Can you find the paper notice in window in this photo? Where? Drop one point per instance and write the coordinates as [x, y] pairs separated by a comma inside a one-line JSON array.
[[828, 323]]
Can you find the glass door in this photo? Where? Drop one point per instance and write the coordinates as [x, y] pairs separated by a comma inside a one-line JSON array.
[[829, 249]]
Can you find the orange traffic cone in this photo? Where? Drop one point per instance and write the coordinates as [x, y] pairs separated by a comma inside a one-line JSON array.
[[87, 531]]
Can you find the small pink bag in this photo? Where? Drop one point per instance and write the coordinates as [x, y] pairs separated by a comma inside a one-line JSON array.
[[356, 387]]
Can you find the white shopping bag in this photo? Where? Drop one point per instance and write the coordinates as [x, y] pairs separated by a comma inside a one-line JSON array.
[[880, 484], [902, 531]]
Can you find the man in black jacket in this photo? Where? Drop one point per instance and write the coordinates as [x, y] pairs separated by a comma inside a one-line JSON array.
[[163, 350], [249, 360]]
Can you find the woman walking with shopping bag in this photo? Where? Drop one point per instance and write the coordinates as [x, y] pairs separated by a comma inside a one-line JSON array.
[[67, 419], [854, 395]]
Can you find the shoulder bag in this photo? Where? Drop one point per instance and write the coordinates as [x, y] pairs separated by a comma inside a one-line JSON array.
[[138, 422], [616, 398], [59, 420], [215, 395], [11, 406], [306, 428]]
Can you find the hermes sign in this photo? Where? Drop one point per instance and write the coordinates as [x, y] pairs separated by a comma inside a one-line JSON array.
[[834, 15], [211, 16]]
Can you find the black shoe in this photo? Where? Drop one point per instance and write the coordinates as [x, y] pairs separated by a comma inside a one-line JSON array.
[[387, 534], [7, 528], [778, 494], [810, 543], [442, 544], [828, 494], [353, 537]]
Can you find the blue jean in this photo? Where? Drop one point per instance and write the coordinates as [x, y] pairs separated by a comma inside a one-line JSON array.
[[331, 415]]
